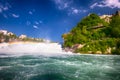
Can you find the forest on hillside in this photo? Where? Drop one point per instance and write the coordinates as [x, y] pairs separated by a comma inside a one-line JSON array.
[[97, 35]]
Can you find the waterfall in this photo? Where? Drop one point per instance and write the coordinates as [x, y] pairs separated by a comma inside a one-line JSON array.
[[30, 48]]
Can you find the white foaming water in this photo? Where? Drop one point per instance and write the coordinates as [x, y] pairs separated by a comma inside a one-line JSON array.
[[46, 49], [4, 67]]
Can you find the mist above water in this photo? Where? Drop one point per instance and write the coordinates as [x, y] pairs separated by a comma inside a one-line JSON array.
[[46, 49]]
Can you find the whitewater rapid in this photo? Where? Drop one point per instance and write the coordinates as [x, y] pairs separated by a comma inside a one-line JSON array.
[[74, 67], [20, 48], [47, 61]]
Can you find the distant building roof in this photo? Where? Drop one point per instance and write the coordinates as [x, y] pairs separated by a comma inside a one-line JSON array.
[[22, 36], [5, 32]]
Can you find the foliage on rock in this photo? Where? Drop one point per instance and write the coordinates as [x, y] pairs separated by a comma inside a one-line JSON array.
[[96, 34]]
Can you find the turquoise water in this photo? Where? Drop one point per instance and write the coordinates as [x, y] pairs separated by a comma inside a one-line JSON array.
[[65, 67]]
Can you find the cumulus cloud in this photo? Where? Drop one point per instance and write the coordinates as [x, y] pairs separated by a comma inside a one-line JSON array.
[[36, 27], [107, 3], [15, 15]]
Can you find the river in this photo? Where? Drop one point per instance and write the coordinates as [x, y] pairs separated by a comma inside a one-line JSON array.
[[63, 67], [47, 62]]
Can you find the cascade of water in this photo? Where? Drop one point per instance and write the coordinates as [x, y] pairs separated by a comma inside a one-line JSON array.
[[30, 47]]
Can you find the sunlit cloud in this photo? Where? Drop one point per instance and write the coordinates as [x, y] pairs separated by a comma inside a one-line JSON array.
[[36, 27], [75, 11], [106, 3], [15, 15]]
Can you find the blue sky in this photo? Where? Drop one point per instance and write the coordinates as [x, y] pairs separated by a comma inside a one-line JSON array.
[[49, 19]]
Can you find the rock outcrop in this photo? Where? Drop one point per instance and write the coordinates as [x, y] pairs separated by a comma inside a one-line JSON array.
[[107, 18]]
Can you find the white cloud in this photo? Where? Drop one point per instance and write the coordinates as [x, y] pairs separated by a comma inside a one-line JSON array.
[[68, 6], [36, 27], [107, 3], [15, 16], [93, 5], [4, 7], [62, 4], [30, 12], [76, 11], [36, 22]]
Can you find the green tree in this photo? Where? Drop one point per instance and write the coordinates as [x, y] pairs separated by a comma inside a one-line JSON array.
[[117, 50], [91, 21], [115, 26]]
